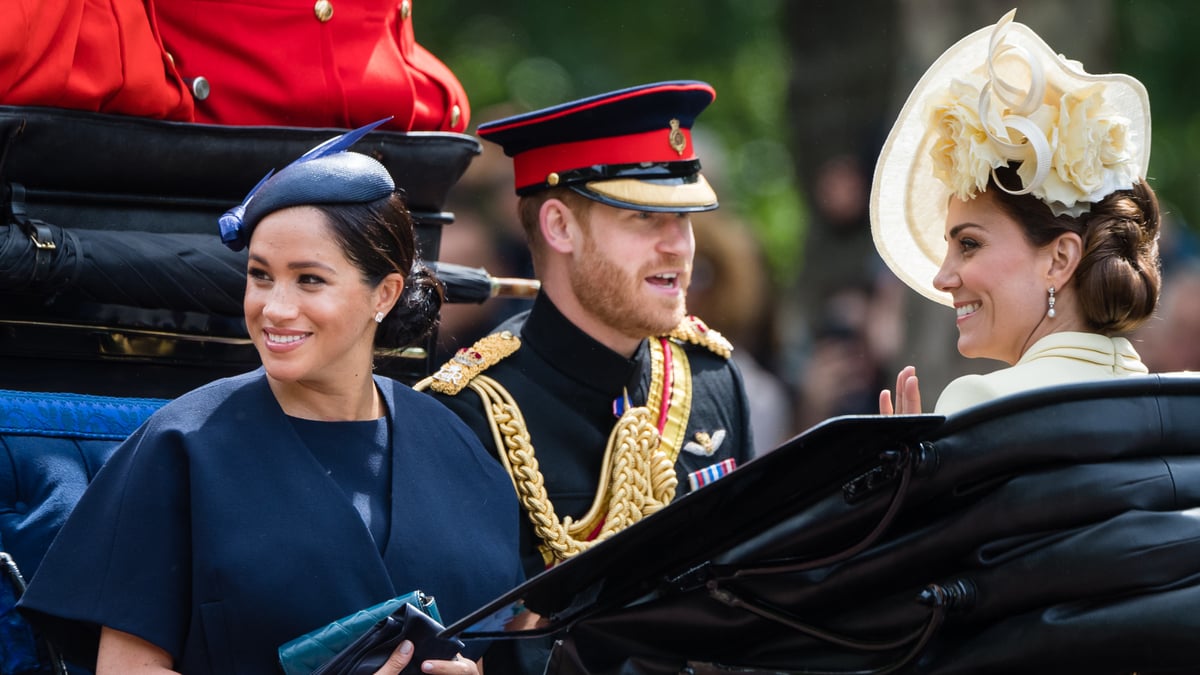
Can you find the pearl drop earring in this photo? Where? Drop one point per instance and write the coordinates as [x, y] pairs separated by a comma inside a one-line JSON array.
[[379, 315], [1050, 312]]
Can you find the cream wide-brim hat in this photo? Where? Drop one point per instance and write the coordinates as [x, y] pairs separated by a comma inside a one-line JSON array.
[[909, 203]]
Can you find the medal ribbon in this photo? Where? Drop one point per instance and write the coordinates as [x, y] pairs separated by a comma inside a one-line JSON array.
[[671, 393]]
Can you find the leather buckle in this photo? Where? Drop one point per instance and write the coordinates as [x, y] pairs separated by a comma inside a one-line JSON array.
[[38, 243]]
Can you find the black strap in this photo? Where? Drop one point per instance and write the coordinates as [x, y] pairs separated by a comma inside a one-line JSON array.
[[895, 466], [941, 599], [37, 231]]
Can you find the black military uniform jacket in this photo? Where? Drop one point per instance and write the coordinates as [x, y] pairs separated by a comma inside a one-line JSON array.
[[565, 384]]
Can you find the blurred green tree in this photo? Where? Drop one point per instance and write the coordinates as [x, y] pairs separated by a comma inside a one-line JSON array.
[[1154, 42], [799, 80]]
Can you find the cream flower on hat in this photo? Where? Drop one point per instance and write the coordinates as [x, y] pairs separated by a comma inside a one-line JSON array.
[[1092, 155], [1001, 95], [963, 155]]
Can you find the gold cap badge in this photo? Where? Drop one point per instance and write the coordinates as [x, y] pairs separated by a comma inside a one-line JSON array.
[[676, 138]]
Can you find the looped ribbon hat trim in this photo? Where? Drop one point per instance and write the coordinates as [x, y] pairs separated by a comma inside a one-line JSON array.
[[1019, 103]]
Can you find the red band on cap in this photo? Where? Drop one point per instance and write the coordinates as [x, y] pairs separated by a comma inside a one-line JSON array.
[[532, 167]]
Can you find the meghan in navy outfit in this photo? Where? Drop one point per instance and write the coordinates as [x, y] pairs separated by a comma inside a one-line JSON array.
[[263, 506]]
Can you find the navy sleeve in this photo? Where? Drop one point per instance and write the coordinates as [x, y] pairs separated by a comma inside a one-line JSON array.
[[122, 559]]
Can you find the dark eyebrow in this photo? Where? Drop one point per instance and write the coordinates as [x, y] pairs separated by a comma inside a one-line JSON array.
[[958, 228], [298, 265]]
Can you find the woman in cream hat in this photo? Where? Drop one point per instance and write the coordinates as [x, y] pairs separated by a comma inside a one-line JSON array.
[[1012, 188]]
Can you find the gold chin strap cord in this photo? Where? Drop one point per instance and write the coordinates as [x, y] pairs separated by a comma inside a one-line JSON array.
[[638, 472]]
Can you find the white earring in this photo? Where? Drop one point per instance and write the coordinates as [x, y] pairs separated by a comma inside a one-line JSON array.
[[379, 315], [1050, 312]]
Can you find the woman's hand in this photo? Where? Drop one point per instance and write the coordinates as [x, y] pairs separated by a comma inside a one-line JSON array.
[[908, 395], [403, 654]]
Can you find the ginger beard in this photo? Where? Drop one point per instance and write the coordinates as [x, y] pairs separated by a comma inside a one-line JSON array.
[[627, 301]]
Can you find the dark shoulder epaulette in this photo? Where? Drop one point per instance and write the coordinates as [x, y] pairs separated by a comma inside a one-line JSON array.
[[458, 372], [695, 331]]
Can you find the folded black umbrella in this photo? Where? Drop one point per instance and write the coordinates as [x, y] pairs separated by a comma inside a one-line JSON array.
[[177, 271], [122, 211], [474, 284]]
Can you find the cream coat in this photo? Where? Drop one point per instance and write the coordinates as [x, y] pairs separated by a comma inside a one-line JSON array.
[[1058, 358]]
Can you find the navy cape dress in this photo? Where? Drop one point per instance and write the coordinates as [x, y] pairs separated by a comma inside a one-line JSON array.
[[214, 533]]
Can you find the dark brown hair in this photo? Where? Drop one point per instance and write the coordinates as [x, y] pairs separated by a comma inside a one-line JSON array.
[[379, 238], [1119, 275]]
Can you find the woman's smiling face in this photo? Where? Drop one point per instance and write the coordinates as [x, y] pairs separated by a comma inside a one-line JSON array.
[[307, 307], [997, 278]]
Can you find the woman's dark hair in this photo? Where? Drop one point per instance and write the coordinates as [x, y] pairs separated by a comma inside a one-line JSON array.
[[379, 238], [1119, 275]]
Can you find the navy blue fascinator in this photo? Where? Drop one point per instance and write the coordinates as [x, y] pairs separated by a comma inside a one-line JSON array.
[[327, 174]]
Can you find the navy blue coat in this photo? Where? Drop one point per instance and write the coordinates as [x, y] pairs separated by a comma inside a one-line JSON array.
[[214, 533]]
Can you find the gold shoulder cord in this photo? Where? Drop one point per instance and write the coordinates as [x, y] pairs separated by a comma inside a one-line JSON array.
[[638, 472], [693, 330]]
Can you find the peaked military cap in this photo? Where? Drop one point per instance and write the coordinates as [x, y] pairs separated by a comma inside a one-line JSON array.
[[630, 148]]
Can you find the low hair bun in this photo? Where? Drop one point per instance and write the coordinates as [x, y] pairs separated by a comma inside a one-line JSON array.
[[1119, 276], [416, 313]]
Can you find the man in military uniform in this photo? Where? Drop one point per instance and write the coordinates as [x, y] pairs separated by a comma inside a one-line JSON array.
[[605, 401]]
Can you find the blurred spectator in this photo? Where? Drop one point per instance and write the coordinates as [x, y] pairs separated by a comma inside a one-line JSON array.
[[838, 252], [847, 321], [846, 364], [732, 293], [1171, 340], [485, 233]]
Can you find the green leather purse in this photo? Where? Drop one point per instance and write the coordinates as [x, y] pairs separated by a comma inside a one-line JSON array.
[[307, 653]]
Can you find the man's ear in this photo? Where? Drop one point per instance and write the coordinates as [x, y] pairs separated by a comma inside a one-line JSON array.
[[558, 226], [1065, 254]]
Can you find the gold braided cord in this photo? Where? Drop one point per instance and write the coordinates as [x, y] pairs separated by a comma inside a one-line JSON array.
[[693, 330], [637, 475], [469, 362], [636, 478]]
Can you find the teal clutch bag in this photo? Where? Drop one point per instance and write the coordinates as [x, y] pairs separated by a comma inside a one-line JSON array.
[[310, 651]]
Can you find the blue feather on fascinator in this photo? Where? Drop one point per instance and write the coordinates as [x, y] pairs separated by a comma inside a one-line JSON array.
[[326, 174]]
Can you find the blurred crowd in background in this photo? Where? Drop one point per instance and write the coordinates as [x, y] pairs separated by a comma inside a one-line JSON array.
[[806, 91]]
